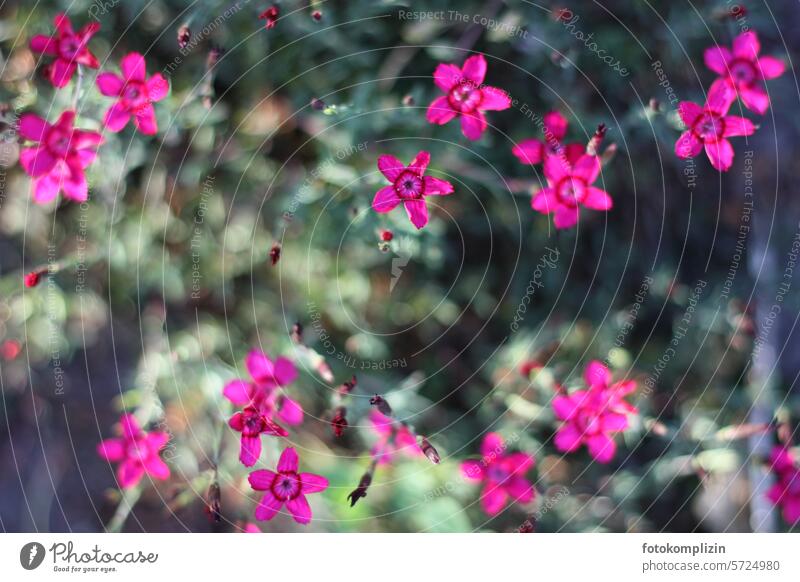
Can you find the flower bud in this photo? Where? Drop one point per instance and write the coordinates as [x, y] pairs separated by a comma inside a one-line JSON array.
[[430, 451], [381, 404], [339, 422]]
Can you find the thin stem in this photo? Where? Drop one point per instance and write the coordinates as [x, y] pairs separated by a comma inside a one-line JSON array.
[[77, 92], [126, 503]]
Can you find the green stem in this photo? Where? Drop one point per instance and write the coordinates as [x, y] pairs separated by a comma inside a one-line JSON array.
[[126, 503]]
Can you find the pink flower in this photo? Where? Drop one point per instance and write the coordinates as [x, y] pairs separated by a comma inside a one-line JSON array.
[[264, 391], [743, 70], [252, 423], [534, 151], [409, 186], [593, 415], [786, 492], [286, 486], [709, 126], [503, 475], [58, 162], [68, 48], [569, 187], [392, 439], [466, 96], [136, 451], [136, 95]]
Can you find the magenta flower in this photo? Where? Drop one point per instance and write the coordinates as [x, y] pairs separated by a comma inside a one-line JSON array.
[[286, 486], [68, 47], [136, 95], [136, 452], [503, 475], [409, 186], [744, 71], [709, 127], [264, 391], [569, 187], [786, 492], [58, 162], [466, 96], [252, 423], [593, 415], [534, 151], [392, 439]]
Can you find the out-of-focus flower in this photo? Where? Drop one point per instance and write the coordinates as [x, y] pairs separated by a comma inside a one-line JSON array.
[[592, 416], [741, 69], [136, 95], [286, 486], [392, 440], [58, 162], [409, 186], [184, 36], [136, 451], [786, 492], [534, 151], [252, 423], [270, 16], [10, 349], [32, 279], [710, 126], [69, 49], [569, 188], [502, 474], [339, 421], [466, 96], [264, 390]]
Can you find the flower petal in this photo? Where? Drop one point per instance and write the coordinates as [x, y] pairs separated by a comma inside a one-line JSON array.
[[133, 67], [238, 392], [437, 186], [300, 509], [288, 461], [129, 473], [109, 84], [268, 507], [568, 438], [111, 449], [33, 127], [472, 469], [735, 126], [720, 97], [689, 112], [494, 99], [755, 99], [565, 407], [720, 154], [687, 146], [290, 411], [262, 479], [156, 440], [260, 366], [545, 201], [250, 450], [473, 125], [492, 446], [156, 467], [390, 167], [446, 76], [555, 126], [440, 111], [420, 163], [145, 120], [285, 371], [417, 212], [157, 87], [587, 168], [36, 161], [601, 447], [771, 67], [529, 151], [474, 69], [746, 46], [565, 217], [614, 421], [386, 200], [44, 44], [556, 168], [718, 58], [597, 199], [493, 498], [519, 489], [116, 118], [311, 483], [518, 463], [46, 189], [61, 72]]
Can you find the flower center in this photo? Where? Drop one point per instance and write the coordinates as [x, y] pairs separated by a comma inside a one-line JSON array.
[[709, 127], [134, 95], [253, 424], [588, 421], [497, 473], [571, 191], [69, 47], [409, 186], [286, 485], [743, 72], [58, 142], [465, 97], [136, 450]]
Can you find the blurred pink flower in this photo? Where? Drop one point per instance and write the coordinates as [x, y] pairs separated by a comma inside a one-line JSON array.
[[391, 440], [534, 151], [466, 96], [58, 162], [592, 416], [252, 423], [286, 486], [786, 492], [503, 475], [264, 391], [136, 451], [569, 187], [136, 95], [68, 47], [744, 71], [409, 186], [710, 125]]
